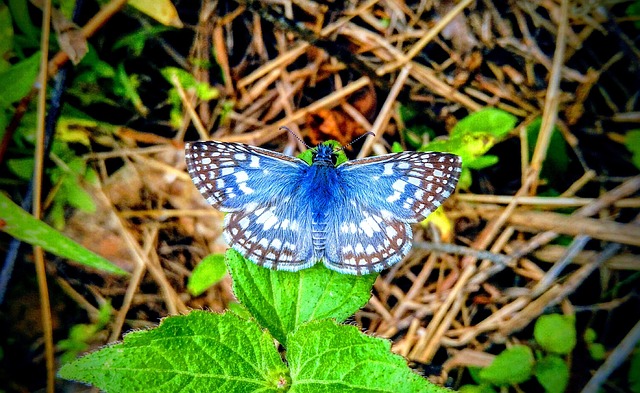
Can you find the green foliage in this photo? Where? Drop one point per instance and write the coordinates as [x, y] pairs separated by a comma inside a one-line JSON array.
[[324, 356], [307, 155], [6, 37], [207, 273], [552, 373], [632, 142], [596, 350], [416, 134], [136, 41], [227, 352], [199, 352], [20, 77], [556, 163], [67, 181], [81, 335], [23, 226], [127, 87], [633, 10], [30, 36], [281, 302], [513, 365], [472, 137], [187, 81], [556, 333], [476, 389]]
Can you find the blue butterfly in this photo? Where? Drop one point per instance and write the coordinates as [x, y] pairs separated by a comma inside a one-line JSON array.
[[285, 214]]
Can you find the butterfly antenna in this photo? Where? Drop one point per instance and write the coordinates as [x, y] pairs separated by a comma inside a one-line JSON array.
[[356, 140], [295, 136]]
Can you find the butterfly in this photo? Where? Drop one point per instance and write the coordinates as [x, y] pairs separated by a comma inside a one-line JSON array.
[[285, 214]]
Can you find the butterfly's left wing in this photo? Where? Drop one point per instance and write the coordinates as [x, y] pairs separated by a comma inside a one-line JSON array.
[[382, 196], [268, 222]]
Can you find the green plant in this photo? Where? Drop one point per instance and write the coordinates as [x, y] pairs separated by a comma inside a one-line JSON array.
[[303, 311], [555, 335], [23, 226], [471, 138], [82, 334], [208, 272], [632, 142]]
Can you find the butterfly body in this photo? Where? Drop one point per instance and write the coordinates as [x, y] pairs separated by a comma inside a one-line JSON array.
[[288, 215]]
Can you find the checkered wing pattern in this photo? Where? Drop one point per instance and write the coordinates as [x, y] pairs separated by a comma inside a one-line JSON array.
[[258, 187], [383, 195], [288, 215]]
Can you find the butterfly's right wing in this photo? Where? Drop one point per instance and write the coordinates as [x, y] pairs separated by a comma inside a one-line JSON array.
[[379, 198], [268, 220]]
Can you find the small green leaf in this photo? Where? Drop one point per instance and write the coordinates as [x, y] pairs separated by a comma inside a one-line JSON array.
[[512, 366], [307, 155], [76, 195], [553, 374], [21, 167], [20, 77], [556, 333], [207, 273], [488, 122], [476, 389], [6, 36], [597, 351], [590, 336], [23, 226], [22, 19], [187, 81], [326, 357], [199, 352], [281, 301], [127, 87], [136, 41], [556, 162], [632, 142]]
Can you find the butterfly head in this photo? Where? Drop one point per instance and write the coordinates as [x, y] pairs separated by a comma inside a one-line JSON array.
[[324, 155]]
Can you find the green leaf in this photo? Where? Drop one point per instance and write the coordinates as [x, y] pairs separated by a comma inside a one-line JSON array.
[[476, 389], [307, 155], [204, 91], [127, 87], [208, 272], [512, 366], [556, 162], [589, 336], [23, 226], [21, 167], [136, 41], [633, 10], [472, 138], [22, 19], [632, 142], [20, 77], [199, 352], [326, 357], [282, 301], [556, 333], [597, 351], [553, 374], [488, 122], [6, 36]]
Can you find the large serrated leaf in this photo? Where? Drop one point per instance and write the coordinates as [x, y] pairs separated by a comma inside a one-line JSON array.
[[327, 357], [199, 352], [282, 301], [23, 226]]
